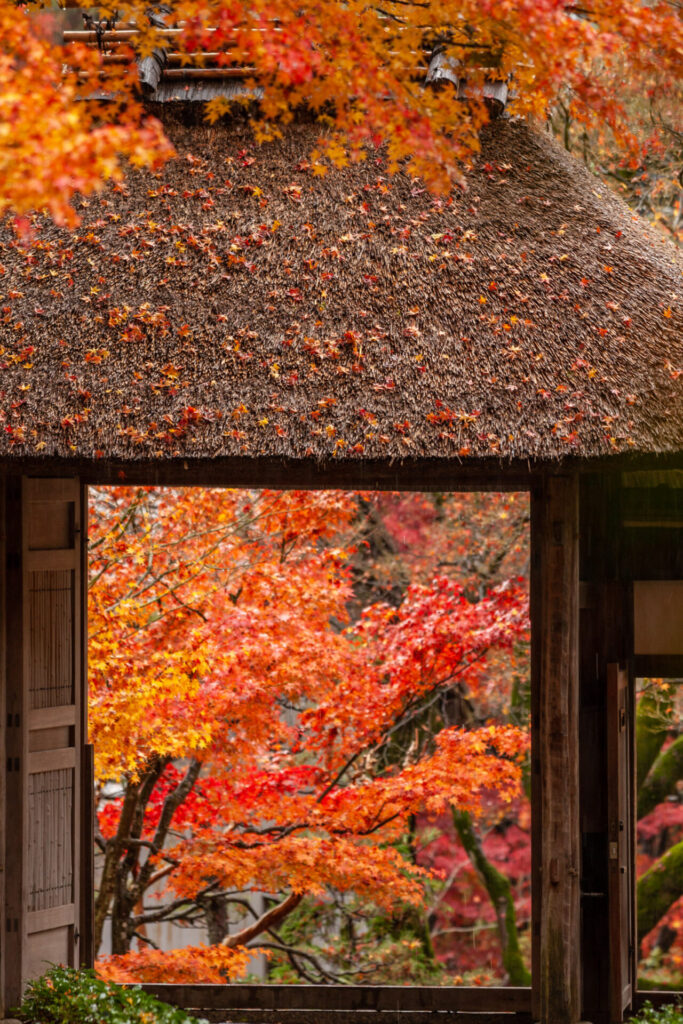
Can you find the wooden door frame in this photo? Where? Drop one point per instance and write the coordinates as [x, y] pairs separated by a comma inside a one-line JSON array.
[[554, 498], [555, 870]]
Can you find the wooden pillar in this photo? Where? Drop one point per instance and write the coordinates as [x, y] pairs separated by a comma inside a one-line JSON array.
[[555, 630], [3, 752]]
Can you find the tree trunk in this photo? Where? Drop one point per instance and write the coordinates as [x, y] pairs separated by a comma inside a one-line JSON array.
[[112, 859], [216, 913], [121, 928], [651, 731], [659, 888], [498, 888], [661, 780]]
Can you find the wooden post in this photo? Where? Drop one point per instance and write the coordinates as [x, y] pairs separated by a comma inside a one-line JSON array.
[[3, 754], [555, 539]]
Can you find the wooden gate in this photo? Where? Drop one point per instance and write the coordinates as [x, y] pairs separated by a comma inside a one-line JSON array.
[[45, 728]]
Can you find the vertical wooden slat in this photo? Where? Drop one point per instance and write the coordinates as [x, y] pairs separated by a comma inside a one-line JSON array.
[[633, 809], [87, 851], [87, 943], [555, 531], [3, 719], [535, 607]]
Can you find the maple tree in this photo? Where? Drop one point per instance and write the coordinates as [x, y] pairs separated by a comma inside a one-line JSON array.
[[650, 181], [476, 914], [360, 66], [253, 727]]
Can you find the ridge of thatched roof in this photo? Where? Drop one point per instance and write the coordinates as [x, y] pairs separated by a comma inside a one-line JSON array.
[[236, 304]]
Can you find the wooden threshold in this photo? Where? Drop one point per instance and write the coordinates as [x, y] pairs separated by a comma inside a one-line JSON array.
[[305, 1001], [358, 1017], [658, 997]]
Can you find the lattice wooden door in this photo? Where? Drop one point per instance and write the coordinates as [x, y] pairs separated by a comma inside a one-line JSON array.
[[45, 727]]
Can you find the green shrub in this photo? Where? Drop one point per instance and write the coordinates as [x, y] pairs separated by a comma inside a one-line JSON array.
[[672, 1013], [66, 996]]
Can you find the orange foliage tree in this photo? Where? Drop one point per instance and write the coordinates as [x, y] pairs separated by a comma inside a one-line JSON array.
[[244, 724], [359, 65]]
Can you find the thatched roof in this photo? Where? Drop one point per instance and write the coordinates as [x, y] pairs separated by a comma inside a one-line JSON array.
[[236, 304]]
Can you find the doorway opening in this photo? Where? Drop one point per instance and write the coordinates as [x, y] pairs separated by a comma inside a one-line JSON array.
[[311, 718], [659, 832]]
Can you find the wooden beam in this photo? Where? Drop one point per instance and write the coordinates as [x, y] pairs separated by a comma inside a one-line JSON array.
[[276, 472], [371, 998], [555, 538], [363, 1017], [666, 666]]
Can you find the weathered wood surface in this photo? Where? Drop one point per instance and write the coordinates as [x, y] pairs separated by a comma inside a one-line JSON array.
[[316, 998], [536, 616], [358, 1017], [555, 529]]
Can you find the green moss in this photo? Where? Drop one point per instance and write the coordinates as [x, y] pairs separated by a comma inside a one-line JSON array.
[[662, 779], [658, 888]]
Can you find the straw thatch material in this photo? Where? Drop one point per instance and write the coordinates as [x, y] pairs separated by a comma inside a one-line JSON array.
[[238, 304]]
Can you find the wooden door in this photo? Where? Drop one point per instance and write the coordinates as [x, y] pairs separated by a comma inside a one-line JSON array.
[[620, 845], [45, 727]]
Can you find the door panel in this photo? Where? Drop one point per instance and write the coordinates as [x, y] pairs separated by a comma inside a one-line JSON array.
[[45, 698], [52, 661]]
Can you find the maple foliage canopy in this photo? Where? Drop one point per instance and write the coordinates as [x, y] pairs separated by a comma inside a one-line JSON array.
[[243, 722], [361, 66]]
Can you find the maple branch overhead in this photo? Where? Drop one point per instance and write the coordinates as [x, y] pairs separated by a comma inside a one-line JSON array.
[[267, 920]]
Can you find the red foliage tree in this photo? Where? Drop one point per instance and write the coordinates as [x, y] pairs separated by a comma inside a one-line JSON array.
[[250, 724]]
